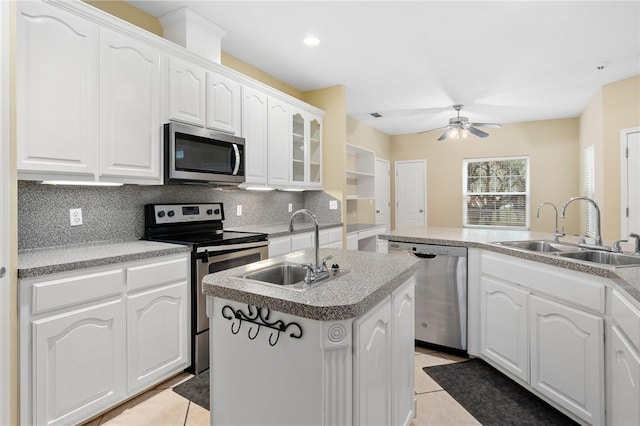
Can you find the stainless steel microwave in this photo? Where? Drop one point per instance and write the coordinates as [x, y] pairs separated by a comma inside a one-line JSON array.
[[197, 155]]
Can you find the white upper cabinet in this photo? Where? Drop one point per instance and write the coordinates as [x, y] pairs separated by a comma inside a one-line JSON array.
[[254, 131], [223, 103], [187, 84], [306, 150], [129, 108], [57, 93], [278, 140]]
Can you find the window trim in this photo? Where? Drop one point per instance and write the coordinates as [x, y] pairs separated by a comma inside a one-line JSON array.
[[527, 193]]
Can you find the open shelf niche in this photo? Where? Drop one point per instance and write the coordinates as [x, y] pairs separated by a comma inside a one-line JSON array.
[[361, 168]]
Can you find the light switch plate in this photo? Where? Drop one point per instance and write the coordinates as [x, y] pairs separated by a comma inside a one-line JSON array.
[[239, 210], [75, 217], [333, 205], [290, 207]]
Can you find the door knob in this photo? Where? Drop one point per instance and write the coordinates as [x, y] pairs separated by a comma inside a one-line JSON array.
[[377, 211], [3, 271], [421, 211]]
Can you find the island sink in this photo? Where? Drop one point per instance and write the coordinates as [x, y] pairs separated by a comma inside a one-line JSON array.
[[281, 274]]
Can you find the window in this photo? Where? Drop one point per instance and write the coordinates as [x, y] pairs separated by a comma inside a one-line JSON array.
[[589, 189], [496, 193]]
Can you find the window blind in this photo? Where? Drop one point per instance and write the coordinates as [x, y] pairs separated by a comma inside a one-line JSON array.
[[589, 188]]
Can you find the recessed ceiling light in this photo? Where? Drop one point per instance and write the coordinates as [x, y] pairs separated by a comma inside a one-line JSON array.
[[311, 40]]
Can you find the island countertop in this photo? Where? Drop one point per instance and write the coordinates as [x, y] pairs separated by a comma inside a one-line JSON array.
[[370, 278]]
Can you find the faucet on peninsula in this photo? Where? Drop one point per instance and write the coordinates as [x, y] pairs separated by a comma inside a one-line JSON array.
[[556, 233], [598, 237]]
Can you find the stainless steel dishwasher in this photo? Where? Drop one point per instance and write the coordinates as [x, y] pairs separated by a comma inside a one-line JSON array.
[[441, 293]]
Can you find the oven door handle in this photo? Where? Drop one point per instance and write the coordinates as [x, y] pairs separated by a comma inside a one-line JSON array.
[[237, 165], [228, 247]]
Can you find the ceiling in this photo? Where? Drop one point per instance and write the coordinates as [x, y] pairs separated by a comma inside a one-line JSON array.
[[411, 61]]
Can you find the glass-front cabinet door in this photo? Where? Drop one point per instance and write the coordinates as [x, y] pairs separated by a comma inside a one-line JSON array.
[[298, 148], [315, 152]]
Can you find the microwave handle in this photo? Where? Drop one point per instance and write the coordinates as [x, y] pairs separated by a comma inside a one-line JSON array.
[[237, 165]]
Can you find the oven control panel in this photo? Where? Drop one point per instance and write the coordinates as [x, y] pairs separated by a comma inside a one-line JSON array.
[[181, 213]]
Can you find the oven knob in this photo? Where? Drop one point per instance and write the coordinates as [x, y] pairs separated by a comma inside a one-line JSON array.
[[171, 213], [161, 213], [217, 211], [210, 211]]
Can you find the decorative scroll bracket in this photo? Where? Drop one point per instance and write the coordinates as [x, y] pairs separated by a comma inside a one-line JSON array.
[[258, 318]]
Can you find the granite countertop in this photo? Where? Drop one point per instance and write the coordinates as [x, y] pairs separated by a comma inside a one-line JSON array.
[[282, 229], [627, 277], [370, 279], [36, 262]]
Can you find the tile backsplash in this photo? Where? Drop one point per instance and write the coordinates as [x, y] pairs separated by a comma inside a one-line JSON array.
[[117, 213]]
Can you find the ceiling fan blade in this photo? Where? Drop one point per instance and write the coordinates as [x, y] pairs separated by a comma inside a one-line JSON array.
[[492, 125], [479, 133], [431, 130], [446, 134]]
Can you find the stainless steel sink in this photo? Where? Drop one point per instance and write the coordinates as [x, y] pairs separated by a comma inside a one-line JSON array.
[[540, 246], [604, 258], [280, 274], [288, 275]]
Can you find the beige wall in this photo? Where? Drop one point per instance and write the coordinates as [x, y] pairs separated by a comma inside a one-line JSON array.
[[551, 145], [365, 136], [614, 107]]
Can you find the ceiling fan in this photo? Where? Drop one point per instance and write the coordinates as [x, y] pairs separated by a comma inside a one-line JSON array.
[[461, 127]]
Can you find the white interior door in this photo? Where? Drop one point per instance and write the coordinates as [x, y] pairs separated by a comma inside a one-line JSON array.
[[5, 330], [383, 192], [411, 193], [630, 181]]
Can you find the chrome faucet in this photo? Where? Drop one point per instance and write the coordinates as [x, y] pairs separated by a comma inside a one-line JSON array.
[[598, 236], [637, 247], [319, 269], [556, 233]]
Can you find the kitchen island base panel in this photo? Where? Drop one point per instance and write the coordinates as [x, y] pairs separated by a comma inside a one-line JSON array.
[[272, 368]]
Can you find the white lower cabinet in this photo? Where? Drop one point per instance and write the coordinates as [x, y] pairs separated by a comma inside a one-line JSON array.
[[78, 364], [504, 326], [383, 365], [624, 381], [556, 349], [567, 357], [87, 345], [158, 335]]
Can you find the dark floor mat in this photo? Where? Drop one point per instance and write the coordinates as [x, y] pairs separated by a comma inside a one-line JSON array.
[[492, 398], [196, 389]]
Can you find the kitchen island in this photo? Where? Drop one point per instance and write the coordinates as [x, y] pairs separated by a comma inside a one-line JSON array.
[[338, 352]]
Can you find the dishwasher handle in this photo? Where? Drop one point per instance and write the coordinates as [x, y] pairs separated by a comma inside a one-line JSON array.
[[424, 255]]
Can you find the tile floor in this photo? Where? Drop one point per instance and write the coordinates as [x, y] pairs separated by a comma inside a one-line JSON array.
[[162, 406]]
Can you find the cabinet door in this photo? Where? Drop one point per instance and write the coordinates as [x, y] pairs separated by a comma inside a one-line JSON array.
[[223, 104], [504, 336], [254, 131], [130, 109], [625, 381], [158, 334], [57, 67], [352, 241], [567, 357], [78, 364], [299, 147], [278, 138], [402, 347], [372, 375], [187, 87], [314, 180]]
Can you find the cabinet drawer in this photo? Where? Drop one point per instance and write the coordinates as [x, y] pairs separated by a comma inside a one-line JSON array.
[[368, 233], [157, 273], [627, 317], [70, 291]]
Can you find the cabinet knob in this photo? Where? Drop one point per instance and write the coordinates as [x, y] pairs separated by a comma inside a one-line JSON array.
[[421, 211], [3, 271]]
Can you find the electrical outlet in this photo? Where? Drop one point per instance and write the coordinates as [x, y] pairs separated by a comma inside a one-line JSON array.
[[290, 207], [75, 217], [239, 210], [333, 205]]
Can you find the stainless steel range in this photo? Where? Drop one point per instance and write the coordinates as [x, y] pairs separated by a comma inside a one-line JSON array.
[[199, 225]]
